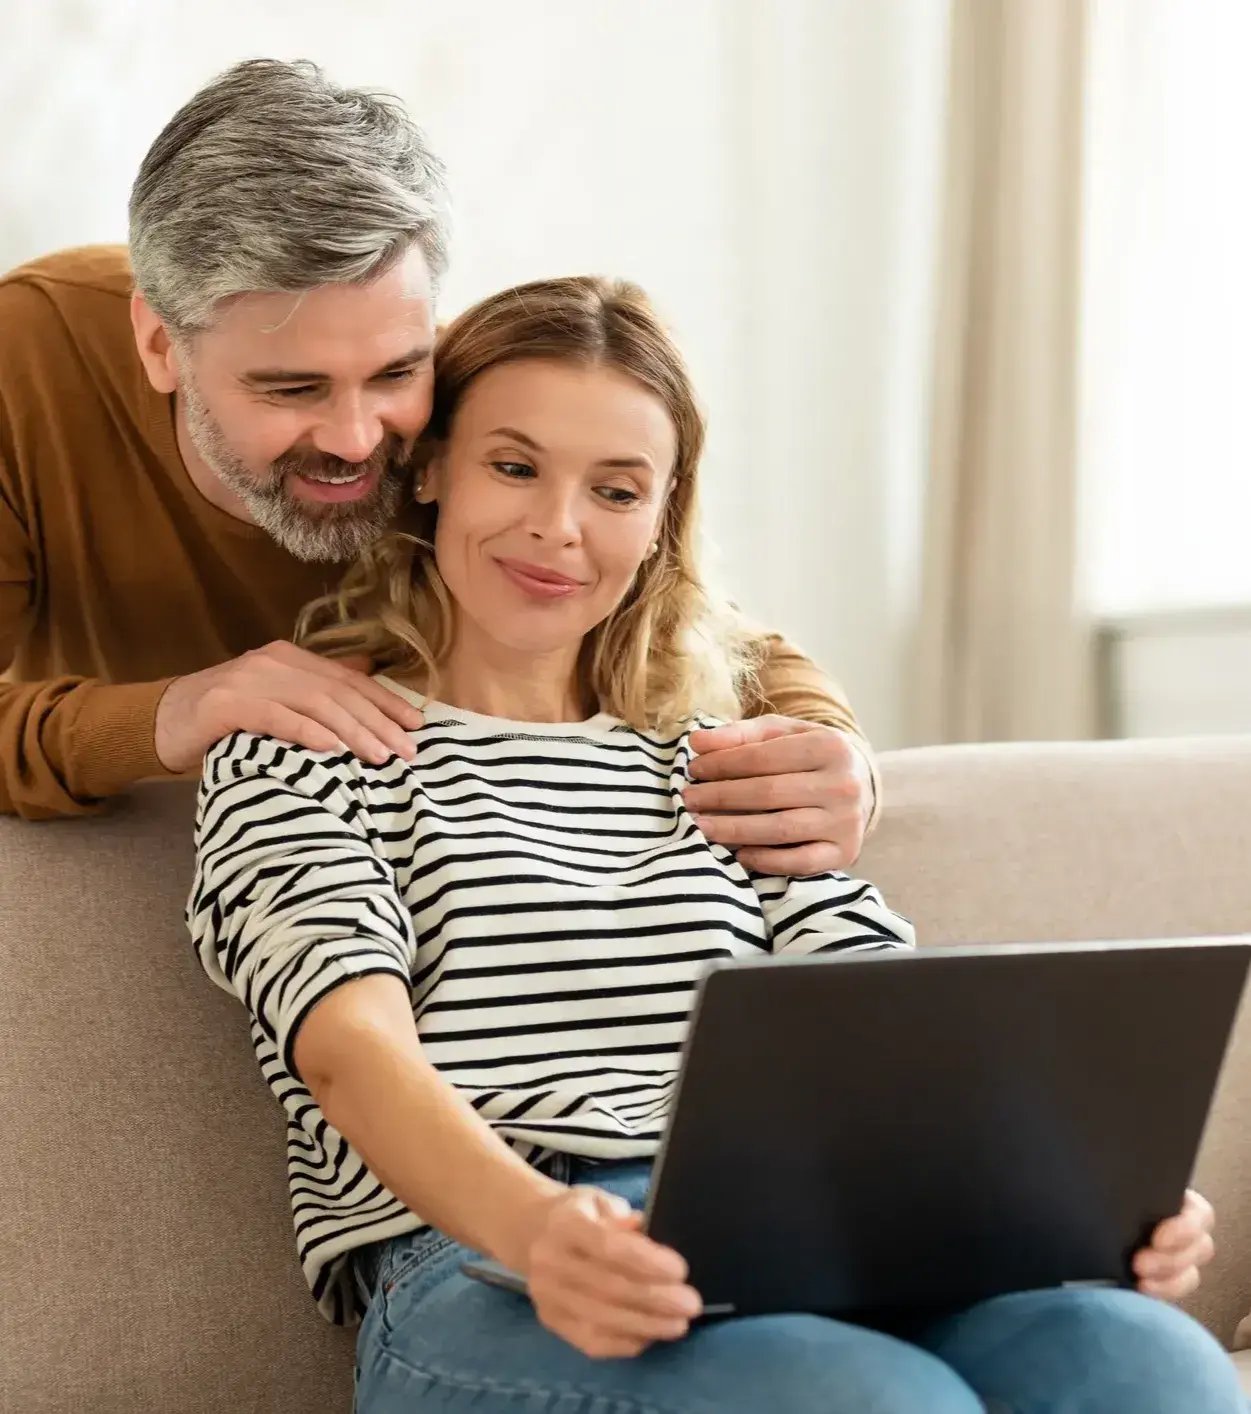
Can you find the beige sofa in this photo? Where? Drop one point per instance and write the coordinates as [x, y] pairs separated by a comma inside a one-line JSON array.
[[146, 1261]]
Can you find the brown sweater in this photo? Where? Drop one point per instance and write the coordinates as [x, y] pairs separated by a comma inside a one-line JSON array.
[[116, 575]]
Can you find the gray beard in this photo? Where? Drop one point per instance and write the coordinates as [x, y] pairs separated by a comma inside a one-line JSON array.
[[326, 532]]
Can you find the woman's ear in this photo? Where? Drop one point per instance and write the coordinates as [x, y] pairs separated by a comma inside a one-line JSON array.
[[428, 482]]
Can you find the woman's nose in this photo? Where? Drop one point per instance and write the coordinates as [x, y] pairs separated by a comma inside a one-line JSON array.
[[554, 517]]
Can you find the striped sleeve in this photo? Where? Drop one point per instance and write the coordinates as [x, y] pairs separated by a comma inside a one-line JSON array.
[[829, 913], [290, 899]]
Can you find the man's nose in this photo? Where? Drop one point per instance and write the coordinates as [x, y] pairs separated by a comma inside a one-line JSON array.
[[351, 432]]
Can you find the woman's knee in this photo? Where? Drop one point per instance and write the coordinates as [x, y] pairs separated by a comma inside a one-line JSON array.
[[1143, 1346], [1092, 1350], [807, 1362]]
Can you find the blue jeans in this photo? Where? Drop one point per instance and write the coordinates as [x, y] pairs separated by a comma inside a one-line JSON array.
[[433, 1339]]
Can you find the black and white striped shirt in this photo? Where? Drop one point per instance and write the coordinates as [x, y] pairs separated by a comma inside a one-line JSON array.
[[543, 892]]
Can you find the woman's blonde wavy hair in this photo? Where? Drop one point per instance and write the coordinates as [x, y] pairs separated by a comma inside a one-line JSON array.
[[669, 649]]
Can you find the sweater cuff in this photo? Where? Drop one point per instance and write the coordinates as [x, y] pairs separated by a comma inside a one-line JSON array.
[[114, 737], [875, 776]]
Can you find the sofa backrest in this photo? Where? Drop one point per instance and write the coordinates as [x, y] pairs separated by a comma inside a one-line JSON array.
[[146, 1253]]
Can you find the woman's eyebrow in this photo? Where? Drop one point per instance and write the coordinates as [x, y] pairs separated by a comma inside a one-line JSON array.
[[516, 436], [639, 462]]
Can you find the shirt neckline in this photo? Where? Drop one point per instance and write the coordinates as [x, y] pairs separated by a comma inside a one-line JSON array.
[[436, 711]]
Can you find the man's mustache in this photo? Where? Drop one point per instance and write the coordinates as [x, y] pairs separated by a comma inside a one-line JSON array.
[[388, 456]]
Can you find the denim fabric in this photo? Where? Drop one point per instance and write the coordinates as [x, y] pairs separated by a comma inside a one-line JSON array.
[[435, 1340]]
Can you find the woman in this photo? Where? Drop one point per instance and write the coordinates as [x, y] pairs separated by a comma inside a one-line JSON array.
[[469, 977]]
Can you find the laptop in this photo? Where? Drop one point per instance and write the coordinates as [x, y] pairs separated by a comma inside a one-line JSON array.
[[869, 1135]]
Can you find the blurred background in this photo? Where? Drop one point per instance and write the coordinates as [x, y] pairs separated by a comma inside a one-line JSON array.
[[966, 286]]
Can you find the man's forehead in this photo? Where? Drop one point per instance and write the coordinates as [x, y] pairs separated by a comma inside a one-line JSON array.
[[381, 317]]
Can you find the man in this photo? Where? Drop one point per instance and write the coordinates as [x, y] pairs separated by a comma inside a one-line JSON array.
[[190, 454]]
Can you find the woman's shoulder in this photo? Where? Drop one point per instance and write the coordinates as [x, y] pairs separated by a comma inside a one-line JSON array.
[[253, 756]]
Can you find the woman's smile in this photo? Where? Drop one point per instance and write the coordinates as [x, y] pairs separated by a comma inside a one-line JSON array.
[[537, 581]]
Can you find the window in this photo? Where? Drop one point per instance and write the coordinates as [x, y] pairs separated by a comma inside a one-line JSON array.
[[1166, 361]]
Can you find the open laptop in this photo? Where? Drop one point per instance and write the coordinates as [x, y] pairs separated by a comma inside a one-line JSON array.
[[871, 1134]]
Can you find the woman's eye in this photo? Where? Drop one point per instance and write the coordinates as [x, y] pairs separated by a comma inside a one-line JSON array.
[[397, 375], [618, 495], [517, 471]]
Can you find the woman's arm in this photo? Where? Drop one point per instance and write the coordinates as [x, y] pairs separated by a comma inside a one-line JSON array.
[[829, 913], [295, 911], [360, 1056]]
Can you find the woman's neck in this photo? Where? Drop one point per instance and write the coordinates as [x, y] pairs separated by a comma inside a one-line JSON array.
[[495, 681]]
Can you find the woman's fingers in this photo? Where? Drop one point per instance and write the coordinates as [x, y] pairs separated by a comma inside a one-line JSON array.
[[617, 1322], [664, 1300], [1174, 1289], [1170, 1268], [601, 1284], [1154, 1265]]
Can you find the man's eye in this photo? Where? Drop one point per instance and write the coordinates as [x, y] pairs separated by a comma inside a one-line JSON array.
[[397, 375], [292, 392], [518, 471], [619, 495]]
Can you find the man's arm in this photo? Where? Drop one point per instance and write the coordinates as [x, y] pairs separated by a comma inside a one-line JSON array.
[[794, 788], [788, 684], [68, 743]]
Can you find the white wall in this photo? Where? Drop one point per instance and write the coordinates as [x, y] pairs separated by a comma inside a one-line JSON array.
[[766, 168]]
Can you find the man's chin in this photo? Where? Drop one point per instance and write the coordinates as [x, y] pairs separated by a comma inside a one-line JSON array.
[[329, 532]]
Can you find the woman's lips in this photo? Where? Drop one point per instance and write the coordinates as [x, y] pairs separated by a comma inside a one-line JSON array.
[[538, 582]]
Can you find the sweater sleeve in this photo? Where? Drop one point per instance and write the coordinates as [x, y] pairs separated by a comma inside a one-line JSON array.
[[290, 898], [829, 913], [791, 685], [67, 743]]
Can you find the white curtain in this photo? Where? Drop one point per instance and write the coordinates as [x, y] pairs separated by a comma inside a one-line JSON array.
[[1002, 653], [1166, 368]]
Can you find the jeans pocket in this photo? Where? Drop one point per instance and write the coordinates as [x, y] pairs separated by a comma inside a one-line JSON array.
[[407, 1255]]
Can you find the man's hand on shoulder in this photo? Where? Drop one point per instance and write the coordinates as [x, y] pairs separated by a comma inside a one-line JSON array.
[[788, 797], [286, 692]]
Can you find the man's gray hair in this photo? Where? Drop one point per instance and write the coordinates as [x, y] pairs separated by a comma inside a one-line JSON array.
[[274, 179]]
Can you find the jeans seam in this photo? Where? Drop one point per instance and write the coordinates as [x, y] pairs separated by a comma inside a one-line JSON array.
[[414, 1259], [526, 1389]]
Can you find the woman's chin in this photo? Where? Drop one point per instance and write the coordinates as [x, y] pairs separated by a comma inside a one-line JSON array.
[[533, 635]]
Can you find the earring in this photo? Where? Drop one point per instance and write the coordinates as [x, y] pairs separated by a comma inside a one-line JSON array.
[[653, 547]]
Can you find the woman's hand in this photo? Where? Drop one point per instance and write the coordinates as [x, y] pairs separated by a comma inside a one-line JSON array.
[[1169, 1268], [599, 1283]]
